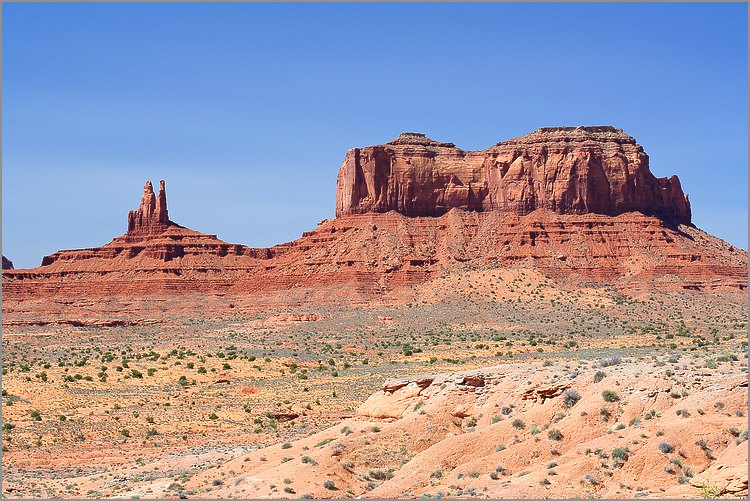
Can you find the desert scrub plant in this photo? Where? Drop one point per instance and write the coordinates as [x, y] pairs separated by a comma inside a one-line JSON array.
[[741, 438], [324, 442], [609, 361], [705, 448], [599, 376], [330, 485], [518, 424], [666, 447], [554, 434], [605, 413], [570, 397], [620, 454], [590, 479], [610, 396], [500, 447], [377, 474], [308, 460]]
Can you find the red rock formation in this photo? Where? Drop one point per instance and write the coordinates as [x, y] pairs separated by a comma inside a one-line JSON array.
[[496, 225], [7, 263], [568, 170], [152, 216], [373, 253]]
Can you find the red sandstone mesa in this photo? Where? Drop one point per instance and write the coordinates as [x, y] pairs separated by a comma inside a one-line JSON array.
[[578, 203], [7, 263], [568, 170]]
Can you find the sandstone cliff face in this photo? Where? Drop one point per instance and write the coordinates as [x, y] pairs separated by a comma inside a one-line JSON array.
[[568, 170], [7, 263]]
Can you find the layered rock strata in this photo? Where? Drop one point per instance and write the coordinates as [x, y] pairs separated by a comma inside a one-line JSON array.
[[523, 218], [568, 170]]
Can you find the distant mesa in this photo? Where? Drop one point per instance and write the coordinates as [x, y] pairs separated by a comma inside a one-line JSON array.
[[151, 235], [576, 203], [7, 263], [567, 170]]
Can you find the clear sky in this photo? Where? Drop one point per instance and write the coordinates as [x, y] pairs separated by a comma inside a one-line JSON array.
[[247, 109]]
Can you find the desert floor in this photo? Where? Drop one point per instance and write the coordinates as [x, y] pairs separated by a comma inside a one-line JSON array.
[[282, 395]]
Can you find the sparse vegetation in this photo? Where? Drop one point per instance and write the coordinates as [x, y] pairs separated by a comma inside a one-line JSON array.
[[610, 396], [571, 397], [666, 447]]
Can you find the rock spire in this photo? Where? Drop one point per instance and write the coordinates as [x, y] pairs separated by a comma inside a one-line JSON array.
[[152, 215]]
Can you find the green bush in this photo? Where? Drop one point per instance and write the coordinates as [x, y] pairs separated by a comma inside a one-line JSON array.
[[554, 434], [610, 396]]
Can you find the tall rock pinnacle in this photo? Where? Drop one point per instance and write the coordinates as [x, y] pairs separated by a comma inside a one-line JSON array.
[[152, 215]]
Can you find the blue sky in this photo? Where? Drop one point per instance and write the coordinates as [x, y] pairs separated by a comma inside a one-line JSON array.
[[247, 109]]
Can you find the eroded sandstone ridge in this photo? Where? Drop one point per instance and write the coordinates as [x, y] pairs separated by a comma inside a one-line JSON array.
[[7, 263], [568, 170]]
